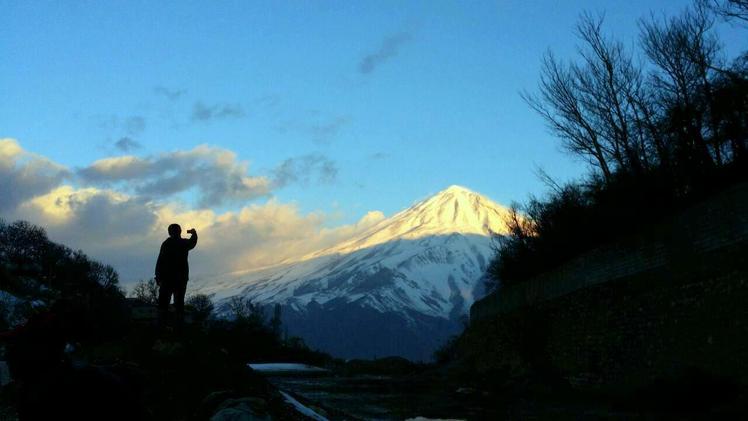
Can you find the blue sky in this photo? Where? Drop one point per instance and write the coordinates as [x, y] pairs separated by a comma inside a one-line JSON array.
[[398, 99]]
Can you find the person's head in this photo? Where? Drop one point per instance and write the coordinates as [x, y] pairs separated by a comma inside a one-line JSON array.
[[175, 230]]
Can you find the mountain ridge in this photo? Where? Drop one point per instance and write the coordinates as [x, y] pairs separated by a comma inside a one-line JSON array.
[[424, 264], [427, 217]]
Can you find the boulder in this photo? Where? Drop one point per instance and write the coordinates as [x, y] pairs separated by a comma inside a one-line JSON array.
[[4, 373]]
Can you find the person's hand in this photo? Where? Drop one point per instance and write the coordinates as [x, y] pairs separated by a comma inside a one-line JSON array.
[[191, 231]]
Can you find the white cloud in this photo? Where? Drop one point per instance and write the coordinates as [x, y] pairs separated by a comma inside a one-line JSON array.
[[120, 168], [124, 227], [216, 173], [25, 175]]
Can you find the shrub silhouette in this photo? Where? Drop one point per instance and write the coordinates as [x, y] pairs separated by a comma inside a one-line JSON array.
[[201, 306], [146, 291]]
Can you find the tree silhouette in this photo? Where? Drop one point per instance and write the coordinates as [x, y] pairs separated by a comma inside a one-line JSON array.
[[201, 306], [146, 291], [276, 325], [598, 106], [729, 9], [658, 134], [243, 310]]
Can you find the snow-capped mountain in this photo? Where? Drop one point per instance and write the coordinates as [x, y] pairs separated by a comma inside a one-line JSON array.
[[400, 287]]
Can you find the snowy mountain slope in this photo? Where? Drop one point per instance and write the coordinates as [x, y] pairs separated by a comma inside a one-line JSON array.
[[424, 263], [455, 210]]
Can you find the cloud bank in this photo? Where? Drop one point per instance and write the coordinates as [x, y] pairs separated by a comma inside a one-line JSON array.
[[214, 173], [25, 175], [117, 209]]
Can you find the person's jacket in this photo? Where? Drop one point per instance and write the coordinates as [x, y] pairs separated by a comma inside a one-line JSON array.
[[172, 259]]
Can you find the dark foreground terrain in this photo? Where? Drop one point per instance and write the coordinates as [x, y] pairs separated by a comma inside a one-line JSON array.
[[392, 389], [149, 374]]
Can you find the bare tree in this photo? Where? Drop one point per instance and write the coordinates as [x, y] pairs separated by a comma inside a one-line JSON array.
[[147, 291], [729, 9], [244, 310], [559, 103], [276, 323], [598, 106], [685, 54], [611, 86], [201, 305], [105, 275]]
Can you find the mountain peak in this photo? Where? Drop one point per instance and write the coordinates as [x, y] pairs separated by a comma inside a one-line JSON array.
[[421, 269], [455, 193], [454, 188], [454, 210], [457, 209]]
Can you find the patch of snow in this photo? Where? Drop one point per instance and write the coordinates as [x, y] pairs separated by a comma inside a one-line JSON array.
[[305, 410], [433, 419], [286, 368]]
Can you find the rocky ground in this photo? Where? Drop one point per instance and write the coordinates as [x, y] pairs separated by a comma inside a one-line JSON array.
[[154, 375]]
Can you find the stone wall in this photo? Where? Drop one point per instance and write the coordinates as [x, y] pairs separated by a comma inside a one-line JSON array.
[[718, 223], [659, 303]]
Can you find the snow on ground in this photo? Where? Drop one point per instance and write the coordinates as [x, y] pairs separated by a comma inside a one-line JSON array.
[[286, 368], [432, 419], [301, 408]]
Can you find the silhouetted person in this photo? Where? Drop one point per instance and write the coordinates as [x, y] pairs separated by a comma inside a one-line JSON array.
[[173, 271]]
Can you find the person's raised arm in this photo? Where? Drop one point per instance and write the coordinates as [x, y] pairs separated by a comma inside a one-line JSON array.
[[192, 241]]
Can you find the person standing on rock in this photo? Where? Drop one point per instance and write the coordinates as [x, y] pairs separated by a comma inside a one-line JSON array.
[[173, 272]]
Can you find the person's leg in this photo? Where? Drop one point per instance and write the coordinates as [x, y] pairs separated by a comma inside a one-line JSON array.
[[180, 290], [165, 291]]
